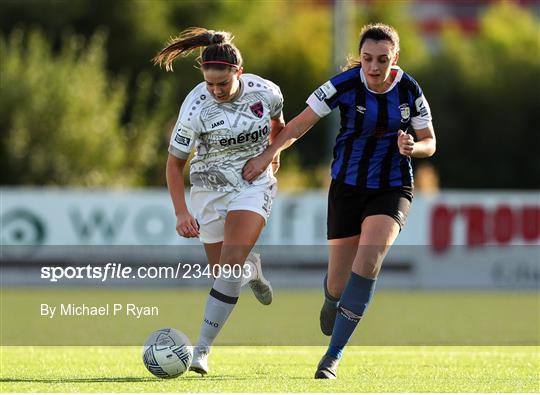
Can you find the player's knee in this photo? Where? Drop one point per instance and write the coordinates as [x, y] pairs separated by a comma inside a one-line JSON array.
[[232, 258], [369, 266]]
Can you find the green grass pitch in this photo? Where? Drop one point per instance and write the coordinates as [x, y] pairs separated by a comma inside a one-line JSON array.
[[411, 341], [276, 369]]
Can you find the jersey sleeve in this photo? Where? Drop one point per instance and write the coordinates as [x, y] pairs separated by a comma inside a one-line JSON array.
[[185, 133], [276, 100], [322, 100], [421, 114]]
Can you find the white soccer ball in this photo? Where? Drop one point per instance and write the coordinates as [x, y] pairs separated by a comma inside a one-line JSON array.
[[167, 353]]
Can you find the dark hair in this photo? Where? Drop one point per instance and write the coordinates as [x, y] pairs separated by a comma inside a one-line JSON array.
[[377, 32], [218, 48]]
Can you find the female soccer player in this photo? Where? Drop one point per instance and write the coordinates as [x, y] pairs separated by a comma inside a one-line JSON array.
[[229, 118], [371, 189]]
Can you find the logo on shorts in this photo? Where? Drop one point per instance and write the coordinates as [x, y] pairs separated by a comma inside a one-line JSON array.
[[257, 109], [401, 216], [267, 203]]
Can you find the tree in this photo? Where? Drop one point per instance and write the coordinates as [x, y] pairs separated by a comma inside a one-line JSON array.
[[61, 116], [483, 91]]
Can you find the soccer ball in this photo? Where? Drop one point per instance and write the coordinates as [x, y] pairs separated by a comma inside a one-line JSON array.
[[167, 353]]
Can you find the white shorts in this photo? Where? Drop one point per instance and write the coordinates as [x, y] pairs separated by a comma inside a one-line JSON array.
[[210, 208]]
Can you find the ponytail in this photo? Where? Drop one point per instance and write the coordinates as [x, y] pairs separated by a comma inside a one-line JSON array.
[[219, 52]]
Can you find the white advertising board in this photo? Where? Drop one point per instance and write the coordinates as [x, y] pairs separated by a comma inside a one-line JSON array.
[[451, 239]]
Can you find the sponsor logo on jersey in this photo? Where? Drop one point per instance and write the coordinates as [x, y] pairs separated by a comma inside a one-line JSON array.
[[242, 138], [218, 123], [361, 109], [182, 140], [405, 112], [257, 109]]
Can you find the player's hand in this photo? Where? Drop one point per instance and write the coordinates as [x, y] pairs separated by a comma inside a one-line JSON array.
[[405, 143], [186, 225], [255, 167]]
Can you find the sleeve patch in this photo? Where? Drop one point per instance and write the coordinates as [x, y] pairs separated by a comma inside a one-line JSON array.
[[326, 91], [421, 107], [182, 140]]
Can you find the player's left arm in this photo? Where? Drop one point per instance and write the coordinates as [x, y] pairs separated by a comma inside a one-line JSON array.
[[276, 125], [424, 146], [425, 143]]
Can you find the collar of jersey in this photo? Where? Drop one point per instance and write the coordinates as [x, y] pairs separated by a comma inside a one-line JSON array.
[[396, 80]]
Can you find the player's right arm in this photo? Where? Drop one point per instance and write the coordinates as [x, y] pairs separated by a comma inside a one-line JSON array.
[[182, 142], [292, 131], [186, 225], [320, 103]]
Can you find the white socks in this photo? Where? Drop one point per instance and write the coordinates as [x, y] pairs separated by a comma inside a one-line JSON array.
[[221, 301]]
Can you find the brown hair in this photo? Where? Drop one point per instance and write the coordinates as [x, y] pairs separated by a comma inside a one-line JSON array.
[[377, 32], [218, 48]]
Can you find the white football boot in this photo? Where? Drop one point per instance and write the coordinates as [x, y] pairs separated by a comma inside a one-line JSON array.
[[259, 285], [199, 364]]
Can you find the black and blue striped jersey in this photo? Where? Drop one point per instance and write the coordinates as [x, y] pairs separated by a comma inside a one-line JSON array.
[[366, 153]]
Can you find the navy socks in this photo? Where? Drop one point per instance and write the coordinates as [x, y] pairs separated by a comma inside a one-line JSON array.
[[352, 305]]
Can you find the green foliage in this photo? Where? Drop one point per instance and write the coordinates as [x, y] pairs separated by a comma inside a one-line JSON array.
[[56, 126], [482, 88], [135, 27], [61, 116], [483, 91]]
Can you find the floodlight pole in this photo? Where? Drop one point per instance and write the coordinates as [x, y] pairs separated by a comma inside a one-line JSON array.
[[340, 29], [341, 12]]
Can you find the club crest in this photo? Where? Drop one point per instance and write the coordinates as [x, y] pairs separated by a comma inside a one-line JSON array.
[[257, 109], [405, 112]]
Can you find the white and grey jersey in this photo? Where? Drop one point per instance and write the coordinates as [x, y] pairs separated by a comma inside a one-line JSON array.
[[226, 135]]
